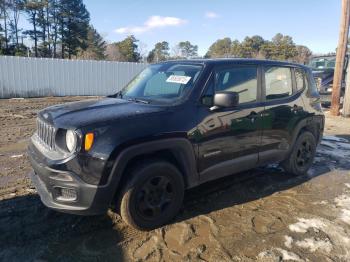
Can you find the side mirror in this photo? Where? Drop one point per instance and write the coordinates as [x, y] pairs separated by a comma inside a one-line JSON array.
[[225, 99]]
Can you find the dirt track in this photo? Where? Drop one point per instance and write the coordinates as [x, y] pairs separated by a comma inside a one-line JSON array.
[[261, 215]]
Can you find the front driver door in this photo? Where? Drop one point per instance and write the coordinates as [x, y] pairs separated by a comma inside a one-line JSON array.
[[229, 138]]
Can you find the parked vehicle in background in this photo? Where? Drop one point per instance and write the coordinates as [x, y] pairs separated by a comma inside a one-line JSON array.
[[175, 126], [323, 71]]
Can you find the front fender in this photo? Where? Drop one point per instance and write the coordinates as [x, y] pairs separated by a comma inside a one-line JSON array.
[[181, 148]]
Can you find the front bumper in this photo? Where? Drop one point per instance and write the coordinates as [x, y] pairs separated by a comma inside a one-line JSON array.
[[89, 199]]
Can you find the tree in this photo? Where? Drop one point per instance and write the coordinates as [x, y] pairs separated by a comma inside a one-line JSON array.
[[44, 25], [251, 46], [236, 48], [221, 48], [16, 7], [32, 8], [282, 47], [303, 54], [74, 25], [142, 50], [128, 49], [160, 52], [112, 53], [96, 46], [187, 50], [2, 40], [54, 21], [4, 8], [56, 27]]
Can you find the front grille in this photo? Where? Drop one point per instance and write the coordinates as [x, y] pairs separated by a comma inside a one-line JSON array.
[[46, 133]]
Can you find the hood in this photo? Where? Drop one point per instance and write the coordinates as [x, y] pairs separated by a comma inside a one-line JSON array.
[[93, 111]]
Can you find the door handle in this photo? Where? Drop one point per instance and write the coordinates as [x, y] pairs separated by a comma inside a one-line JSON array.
[[252, 116], [295, 109]]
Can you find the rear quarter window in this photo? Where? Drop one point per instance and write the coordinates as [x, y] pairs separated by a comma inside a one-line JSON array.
[[301, 79]]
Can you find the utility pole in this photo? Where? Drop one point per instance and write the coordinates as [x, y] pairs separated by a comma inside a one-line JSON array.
[[341, 51]]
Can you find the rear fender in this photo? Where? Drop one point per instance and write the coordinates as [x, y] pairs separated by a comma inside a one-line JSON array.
[[314, 124]]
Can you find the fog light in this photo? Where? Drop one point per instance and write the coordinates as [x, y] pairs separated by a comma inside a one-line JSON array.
[[66, 194]]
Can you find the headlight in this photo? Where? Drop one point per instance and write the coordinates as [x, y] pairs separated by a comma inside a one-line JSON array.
[[71, 140]]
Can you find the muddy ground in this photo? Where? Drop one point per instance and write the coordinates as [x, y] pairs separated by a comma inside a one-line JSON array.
[[261, 215]]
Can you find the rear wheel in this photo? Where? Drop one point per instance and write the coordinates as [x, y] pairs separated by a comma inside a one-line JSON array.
[[152, 196], [302, 155]]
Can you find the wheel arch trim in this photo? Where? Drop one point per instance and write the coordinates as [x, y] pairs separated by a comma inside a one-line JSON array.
[[181, 148], [314, 124]]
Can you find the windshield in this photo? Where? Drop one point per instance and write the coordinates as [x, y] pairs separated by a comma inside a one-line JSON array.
[[322, 62], [162, 82]]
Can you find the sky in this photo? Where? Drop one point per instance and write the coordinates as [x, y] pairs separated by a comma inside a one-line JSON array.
[[314, 23]]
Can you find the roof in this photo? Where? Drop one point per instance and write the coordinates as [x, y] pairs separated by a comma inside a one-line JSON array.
[[225, 61]]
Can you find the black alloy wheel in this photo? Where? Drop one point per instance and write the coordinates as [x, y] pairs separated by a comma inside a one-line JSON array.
[[302, 155], [153, 195]]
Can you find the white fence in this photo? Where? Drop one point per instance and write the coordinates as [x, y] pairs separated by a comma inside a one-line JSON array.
[[36, 77]]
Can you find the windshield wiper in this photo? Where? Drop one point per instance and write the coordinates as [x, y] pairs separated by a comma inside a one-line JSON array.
[[118, 94], [137, 100]]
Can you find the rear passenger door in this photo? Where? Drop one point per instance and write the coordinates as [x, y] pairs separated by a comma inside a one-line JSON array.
[[283, 109]]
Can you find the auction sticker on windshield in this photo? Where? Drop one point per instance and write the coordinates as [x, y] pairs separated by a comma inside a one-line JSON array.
[[178, 79]]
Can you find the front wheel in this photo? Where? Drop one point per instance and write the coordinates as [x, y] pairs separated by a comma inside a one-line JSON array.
[[152, 196], [302, 155]]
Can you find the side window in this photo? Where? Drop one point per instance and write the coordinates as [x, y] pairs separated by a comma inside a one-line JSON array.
[[242, 80], [300, 78], [278, 82]]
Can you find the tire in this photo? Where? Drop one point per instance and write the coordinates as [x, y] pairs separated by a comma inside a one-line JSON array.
[[302, 156], [152, 196]]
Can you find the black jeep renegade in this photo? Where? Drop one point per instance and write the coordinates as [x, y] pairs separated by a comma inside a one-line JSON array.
[[174, 126]]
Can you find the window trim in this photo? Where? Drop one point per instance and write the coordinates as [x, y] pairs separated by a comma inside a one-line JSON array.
[[205, 88], [259, 75]]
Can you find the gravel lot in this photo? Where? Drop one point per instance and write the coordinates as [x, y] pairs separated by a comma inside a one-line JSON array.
[[261, 215]]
